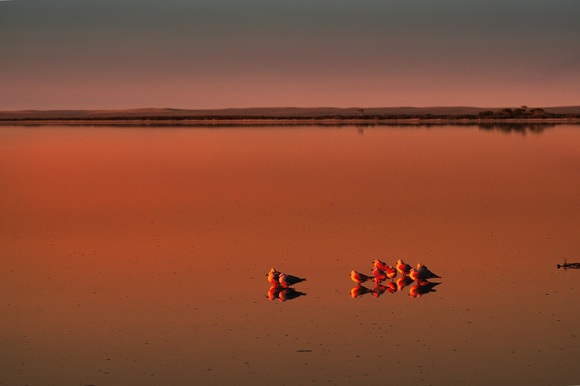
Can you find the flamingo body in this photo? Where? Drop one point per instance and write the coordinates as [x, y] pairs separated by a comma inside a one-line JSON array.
[[288, 280]]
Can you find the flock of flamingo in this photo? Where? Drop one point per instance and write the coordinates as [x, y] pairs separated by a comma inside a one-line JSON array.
[[382, 272], [281, 283]]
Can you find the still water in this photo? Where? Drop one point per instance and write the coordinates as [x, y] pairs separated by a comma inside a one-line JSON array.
[[138, 256]]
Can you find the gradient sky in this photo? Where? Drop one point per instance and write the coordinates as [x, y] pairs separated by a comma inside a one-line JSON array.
[[109, 54]]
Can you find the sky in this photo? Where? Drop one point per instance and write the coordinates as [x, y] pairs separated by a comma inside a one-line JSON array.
[[198, 54]]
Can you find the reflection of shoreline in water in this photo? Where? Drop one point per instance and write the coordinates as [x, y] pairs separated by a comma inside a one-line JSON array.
[[283, 293], [360, 125], [522, 128]]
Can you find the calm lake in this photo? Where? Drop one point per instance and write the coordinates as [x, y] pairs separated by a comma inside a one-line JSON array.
[[138, 256]]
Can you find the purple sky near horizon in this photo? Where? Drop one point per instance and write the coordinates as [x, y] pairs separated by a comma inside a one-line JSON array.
[[87, 54]]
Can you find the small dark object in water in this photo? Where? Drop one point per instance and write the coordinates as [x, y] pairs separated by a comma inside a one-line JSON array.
[[569, 265]]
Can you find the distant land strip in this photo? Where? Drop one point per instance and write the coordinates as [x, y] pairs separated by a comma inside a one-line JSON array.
[[298, 114]]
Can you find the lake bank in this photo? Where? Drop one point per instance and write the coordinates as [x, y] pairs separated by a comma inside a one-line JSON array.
[[282, 121]]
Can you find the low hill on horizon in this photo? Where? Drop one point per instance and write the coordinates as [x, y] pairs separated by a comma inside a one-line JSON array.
[[265, 112]]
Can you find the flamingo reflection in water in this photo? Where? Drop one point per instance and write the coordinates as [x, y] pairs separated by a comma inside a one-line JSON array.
[[403, 282], [379, 290], [289, 294], [283, 294], [359, 290], [274, 292], [421, 289], [391, 288]]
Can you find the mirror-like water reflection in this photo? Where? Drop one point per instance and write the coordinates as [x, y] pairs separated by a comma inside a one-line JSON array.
[[137, 256]]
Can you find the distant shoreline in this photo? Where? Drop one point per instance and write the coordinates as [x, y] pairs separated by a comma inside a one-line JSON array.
[[296, 116], [279, 121]]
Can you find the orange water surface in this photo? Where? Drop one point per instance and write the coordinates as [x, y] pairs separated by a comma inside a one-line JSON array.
[[138, 256]]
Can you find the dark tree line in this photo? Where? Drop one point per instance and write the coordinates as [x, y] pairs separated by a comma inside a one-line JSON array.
[[520, 113]]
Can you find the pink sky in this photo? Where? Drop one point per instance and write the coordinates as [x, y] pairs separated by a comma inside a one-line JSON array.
[[94, 55]]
